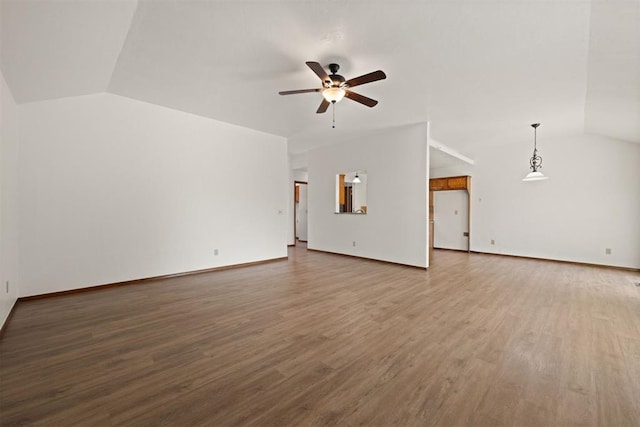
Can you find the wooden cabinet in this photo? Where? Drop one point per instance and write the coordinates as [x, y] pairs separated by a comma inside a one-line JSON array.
[[457, 183], [438, 184], [450, 183], [341, 195]]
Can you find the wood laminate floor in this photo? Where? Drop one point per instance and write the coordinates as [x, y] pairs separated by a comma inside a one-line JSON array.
[[323, 339]]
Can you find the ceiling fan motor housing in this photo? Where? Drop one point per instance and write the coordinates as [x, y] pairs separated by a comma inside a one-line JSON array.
[[336, 79]]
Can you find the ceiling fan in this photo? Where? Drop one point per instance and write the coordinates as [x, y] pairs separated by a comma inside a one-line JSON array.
[[335, 87]]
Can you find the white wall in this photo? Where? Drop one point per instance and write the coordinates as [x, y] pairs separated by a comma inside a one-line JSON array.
[[395, 228], [114, 189], [450, 219], [9, 254], [590, 202]]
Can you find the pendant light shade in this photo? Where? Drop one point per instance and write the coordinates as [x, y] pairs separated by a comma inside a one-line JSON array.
[[535, 176], [535, 162], [356, 180]]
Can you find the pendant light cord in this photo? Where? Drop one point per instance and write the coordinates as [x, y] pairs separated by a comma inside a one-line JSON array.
[[535, 138]]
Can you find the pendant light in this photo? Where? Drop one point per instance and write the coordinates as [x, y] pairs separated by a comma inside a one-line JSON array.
[[536, 161], [356, 180]]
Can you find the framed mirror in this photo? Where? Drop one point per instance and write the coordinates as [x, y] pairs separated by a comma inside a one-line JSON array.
[[351, 193]]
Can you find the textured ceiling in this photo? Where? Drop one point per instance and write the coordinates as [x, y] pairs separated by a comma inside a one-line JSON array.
[[479, 71]]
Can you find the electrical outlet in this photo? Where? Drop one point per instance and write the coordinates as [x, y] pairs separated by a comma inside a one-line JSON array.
[[607, 251], [455, 212], [354, 243], [215, 252], [493, 242]]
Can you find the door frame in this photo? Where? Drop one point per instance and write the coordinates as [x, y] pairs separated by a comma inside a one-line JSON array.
[[450, 183], [295, 210]]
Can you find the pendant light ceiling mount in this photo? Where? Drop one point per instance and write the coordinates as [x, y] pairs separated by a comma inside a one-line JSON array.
[[535, 162]]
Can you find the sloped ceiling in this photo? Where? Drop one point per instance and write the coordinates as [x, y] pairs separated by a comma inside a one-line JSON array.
[[479, 71], [55, 49]]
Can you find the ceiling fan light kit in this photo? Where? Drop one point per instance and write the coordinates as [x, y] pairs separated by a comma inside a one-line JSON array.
[[333, 94], [335, 87]]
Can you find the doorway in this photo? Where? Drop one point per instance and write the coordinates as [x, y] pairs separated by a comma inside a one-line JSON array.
[[300, 212], [450, 214]]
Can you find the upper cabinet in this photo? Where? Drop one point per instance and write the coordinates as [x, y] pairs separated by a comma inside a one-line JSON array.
[[438, 184], [450, 183]]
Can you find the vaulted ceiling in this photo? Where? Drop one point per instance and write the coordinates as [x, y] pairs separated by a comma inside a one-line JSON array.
[[479, 71]]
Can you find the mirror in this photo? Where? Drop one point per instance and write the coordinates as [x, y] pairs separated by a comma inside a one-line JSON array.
[[351, 193]]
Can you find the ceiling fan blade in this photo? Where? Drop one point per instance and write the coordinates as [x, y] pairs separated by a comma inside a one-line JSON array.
[[367, 78], [320, 72], [293, 92], [360, 98], [323, 106]]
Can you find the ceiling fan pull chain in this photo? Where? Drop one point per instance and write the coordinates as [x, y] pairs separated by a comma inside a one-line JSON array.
[[334, 114]]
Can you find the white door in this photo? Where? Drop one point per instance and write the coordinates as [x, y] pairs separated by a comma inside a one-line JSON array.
[[450, 220]]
